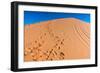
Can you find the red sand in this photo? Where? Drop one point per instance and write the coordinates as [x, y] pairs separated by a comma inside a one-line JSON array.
[[56, 40]]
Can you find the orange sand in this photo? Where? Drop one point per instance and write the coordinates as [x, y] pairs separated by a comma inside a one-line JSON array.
[[57, 40]]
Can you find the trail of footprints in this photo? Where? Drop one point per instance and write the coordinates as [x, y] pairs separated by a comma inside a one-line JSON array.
[[53, 53]]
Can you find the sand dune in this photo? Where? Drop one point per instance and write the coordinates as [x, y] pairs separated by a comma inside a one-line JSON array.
[[60, 39]]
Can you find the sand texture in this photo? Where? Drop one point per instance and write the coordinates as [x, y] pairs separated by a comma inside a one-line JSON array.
[[59, 39]]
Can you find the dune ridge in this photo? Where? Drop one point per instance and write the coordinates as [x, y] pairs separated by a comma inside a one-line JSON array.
[[59, 39]]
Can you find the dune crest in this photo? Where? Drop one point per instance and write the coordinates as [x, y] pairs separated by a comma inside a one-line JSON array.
[[59, 39]]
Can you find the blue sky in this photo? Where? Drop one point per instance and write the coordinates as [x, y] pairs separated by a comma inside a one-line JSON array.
[[32, 17]]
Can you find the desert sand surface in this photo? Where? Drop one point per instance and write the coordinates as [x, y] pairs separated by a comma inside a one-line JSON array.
[[59, 39]]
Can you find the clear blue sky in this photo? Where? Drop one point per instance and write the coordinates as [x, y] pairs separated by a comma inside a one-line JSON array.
[[32, 17]]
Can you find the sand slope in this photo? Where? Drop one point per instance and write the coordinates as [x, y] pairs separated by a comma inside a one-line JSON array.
[[56, 40]]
